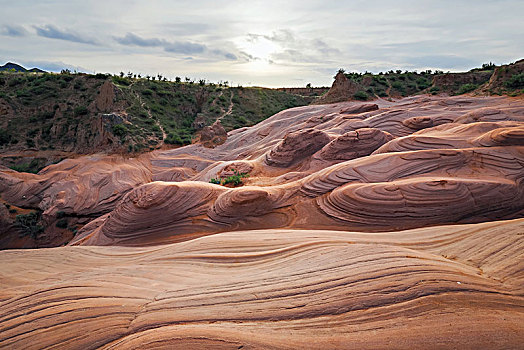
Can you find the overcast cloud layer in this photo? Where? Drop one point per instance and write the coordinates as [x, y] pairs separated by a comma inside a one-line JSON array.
[[265, 43]]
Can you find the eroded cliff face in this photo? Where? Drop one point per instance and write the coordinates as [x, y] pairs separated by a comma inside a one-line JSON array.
[[342, 89], [404, 217], [451, 82], [498, 83]]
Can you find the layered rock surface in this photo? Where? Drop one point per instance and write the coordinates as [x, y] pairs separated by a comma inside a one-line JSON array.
[[313, 240], [456, 286]]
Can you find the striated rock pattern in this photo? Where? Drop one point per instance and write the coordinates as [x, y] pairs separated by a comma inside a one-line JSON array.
[[295, 146], [385, 166], [355, 144], [311, 252], [83, 187], [431, 288]]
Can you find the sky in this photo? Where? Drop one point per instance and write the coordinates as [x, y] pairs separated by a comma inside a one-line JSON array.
[[260, 43]]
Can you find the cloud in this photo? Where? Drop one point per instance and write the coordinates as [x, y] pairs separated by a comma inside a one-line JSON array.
[[187, 29], [176, 47], [442, 61], [52, 66], [304, 38], [284, 36], [11, 30], [132, 39], [289, 48], [224, 54], [52, 32], [322, 47], [186, 48]]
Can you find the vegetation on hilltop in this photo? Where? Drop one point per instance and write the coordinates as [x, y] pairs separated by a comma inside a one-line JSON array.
[[85, 113], [487, 79]]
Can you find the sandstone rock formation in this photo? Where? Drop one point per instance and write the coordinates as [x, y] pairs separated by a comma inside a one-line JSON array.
[[341, 90], [213, 135], [455, 286], [315, 239]]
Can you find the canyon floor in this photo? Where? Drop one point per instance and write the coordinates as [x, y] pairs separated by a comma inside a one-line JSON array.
[[365, 225]]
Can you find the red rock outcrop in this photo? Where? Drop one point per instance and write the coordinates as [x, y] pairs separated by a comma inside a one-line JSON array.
[[341, 90], [296, 146], [315, 239], [355, 144]]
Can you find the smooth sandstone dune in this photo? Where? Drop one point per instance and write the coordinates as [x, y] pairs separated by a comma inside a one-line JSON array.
[[449, 286]]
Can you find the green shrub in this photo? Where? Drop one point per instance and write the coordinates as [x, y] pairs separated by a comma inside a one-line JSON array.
[[45, 115], [5, 137], [67, 77], [81, 110], [119, 130], [29, 224], [121, 81], [434, 90], [32, 167], [99, 76], [173, 139], [61, 223], [30, 142], [235, 180], [360, 95], [397, 85], [466, 88], [515, 82]]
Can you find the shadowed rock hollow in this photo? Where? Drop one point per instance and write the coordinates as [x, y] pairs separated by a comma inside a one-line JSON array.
[[387, 225]]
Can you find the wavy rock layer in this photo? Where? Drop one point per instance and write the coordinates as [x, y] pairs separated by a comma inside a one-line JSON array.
[[165, 259], [348, 166], [458, 286]]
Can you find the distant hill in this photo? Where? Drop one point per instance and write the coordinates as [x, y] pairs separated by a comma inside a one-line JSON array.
[[18, 68], [487, 80], [86, 113]]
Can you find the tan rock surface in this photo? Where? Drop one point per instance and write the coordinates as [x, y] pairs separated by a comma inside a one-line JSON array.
[[311, 252], [449, 286]]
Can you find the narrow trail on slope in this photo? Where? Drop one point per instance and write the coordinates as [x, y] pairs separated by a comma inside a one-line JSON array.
[[388, 90], [143, 105], [230, 108]]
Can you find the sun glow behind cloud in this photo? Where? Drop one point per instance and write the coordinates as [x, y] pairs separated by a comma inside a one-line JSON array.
[[257, 51]]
